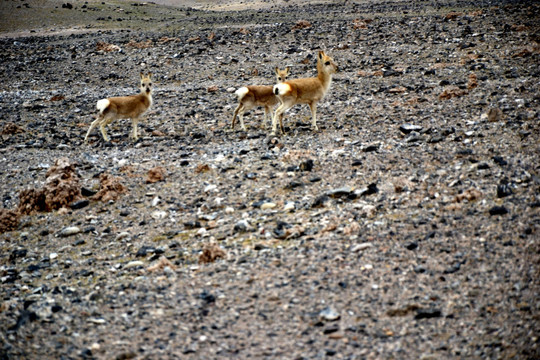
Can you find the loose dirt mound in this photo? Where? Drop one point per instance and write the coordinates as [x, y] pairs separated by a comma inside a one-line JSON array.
[[60, 190]]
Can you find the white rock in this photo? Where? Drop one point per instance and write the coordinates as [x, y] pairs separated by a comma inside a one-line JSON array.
[[159, 215], [289, 206], [133, 264], [53, 256], [156, 201], [210, 188], [229, 210], [122, 235], [71, 230], [362, 246], [268, 205]]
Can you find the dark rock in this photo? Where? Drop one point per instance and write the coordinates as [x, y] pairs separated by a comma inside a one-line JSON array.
[[80, 204], [452, 269], [145, 250], [87, 192], [427, 314], [369, 190], [320, 201], [340, 193], [192, 224], [306, 165], [498, 210], [413, 245], [504, 190]]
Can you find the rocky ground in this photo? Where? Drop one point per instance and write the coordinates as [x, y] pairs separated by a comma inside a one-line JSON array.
[[407, 227]]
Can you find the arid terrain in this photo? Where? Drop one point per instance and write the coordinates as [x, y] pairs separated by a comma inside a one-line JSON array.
[[406, 227]]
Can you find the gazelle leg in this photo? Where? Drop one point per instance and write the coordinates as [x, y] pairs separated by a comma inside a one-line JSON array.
[[238, 108], [92, 126], [267, 110], [313, 107], [279, 115], [106, 121], [135, 122]]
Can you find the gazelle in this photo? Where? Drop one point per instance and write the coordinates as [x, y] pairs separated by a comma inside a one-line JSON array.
[[305, 91], [253, 96], [123, 107]]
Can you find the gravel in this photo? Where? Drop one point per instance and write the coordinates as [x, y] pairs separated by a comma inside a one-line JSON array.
[[406, 227]]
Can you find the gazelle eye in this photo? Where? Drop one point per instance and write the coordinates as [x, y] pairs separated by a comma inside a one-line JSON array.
[[327, 63]]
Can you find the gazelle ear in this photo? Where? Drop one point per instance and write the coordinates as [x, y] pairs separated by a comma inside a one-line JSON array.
[[276, 70], [287, 70], [142, 75], [321, 53], [149, 75]]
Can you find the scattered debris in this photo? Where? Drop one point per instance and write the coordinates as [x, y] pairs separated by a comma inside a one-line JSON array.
[[110, 188], [211, 252]]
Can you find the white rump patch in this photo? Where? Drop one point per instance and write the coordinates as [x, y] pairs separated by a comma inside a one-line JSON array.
[[102, 105], [241, 92], [281, 89]]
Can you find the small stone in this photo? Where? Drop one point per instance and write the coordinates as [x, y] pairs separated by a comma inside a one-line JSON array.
[[159, 215], [408, 128], [69, 231], [145, 250], [329, 314], [87, 192], [504, 190], [268, 205], [242, 226], [331, 329], [306, 165], [80, 204], [412, 245], [427, 314], [289, 206], [98, 321], [340, 192], [361, 247], [53, 256], [133, 264], [370, 148], [122, 236], [498, 210], [369, 190]]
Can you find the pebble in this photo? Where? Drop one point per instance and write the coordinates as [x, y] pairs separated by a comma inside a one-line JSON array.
[[133, 264], [329, 314], [69, 231], [122, 235], [159, 214], [427, 314], [340, 192], [80, 204], [408, 128], [268, 205], [498, 210], [242, 226], [362, 246], [53, 256], [289, 206]]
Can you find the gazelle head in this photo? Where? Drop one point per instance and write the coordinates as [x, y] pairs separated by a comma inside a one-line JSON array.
[[146, 83], [326, 63], [281, 75]]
